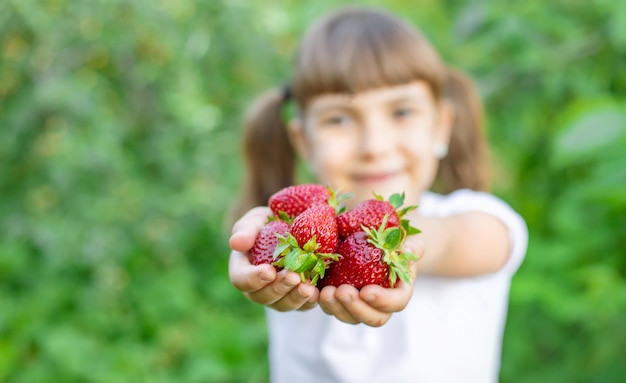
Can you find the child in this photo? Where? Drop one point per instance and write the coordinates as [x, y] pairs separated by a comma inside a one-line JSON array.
[[377, 110]]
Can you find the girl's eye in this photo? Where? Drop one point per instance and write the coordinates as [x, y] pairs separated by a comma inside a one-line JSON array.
[[404, 112], [337, 120]]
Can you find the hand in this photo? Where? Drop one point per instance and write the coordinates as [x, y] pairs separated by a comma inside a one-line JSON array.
[[373, 305], [282, 291]]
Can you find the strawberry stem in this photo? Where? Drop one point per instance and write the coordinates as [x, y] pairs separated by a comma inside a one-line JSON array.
[[302, 260], [390, 241], [336, 199]]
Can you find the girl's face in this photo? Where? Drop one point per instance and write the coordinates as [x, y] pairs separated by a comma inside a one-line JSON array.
[[378, 141]]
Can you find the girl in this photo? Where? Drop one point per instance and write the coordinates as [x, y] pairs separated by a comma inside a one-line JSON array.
[[377, 110]]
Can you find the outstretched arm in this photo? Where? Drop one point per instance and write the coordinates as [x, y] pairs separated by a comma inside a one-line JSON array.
[[462, 245]]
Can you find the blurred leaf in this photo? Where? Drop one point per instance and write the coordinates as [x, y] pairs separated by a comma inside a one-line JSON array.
[[592, 132], [120, 157]]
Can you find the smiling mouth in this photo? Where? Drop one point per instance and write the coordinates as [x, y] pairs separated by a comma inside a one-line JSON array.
[[374, 178]]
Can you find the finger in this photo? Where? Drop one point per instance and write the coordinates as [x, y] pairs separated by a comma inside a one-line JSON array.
[[296, 298], [247, 277], [358, 309], [245, 230], [388, 300], [312, 302], [284, 283], [331, 305], [308, 306]]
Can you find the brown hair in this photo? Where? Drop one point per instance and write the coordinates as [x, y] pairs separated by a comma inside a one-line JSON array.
[[351, 50]]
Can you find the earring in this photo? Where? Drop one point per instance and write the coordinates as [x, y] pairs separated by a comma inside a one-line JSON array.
[[440, 150]]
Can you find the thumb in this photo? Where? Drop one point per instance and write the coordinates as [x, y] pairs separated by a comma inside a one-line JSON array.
[[246, 229]]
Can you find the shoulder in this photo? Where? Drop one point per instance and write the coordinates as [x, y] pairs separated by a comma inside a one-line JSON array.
[[466, 200]]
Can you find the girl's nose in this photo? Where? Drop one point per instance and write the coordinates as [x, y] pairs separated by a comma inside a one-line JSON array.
[[376, 138]]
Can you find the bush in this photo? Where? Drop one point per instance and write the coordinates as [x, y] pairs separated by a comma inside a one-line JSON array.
[[119, 155]]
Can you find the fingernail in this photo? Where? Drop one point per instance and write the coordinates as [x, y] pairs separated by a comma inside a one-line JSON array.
[[369, 298]]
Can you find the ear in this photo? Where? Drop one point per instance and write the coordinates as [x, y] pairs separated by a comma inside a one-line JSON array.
[[444, 125], [297, 137]]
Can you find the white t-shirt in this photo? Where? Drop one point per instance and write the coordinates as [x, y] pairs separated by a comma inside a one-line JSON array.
[[451, 330]]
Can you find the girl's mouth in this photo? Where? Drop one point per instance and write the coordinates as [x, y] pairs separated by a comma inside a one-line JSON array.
[[375, 177]]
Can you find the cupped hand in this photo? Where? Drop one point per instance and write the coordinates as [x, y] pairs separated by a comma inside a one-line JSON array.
[[282, 291], [373, 305]]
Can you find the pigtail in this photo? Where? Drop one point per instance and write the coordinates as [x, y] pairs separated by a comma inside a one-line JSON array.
[[268, 154], [467, 163]]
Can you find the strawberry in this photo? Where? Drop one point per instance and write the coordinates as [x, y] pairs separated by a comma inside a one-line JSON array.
[[361, 264], [370, 214], [266, 241], [294, 200], [319, 223], [311, 244], [371, 257]]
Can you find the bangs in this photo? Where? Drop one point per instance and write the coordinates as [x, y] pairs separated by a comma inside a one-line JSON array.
[[362, 49]]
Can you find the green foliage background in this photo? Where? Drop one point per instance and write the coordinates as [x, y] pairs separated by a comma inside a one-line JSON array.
[[119, 156]]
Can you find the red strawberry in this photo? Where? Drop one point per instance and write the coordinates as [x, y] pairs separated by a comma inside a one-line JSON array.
[[319, 223], [370, 257], [294, 200], [266, 241], [312, 243], [370, 214], [361, 264]]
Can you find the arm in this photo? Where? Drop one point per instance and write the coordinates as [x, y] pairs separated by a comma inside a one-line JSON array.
[[462, 245]]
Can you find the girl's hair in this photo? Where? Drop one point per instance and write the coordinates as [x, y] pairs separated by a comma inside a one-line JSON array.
[[348, 51]]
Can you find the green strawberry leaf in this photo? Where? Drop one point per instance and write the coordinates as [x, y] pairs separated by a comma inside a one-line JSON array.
[[311, 245], [335, 200], [405, 210], [299, 261], [329, 256], [319, 268], [318, 272], [290, 260], [281, 237], [399, 266], [410, 256], [400, 270], [281, 249], [279, 263], [410, 230], [393, 277], [396, 200], [308, 262], [285, 217], [392, 238], [345, 197], [405, 277]]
